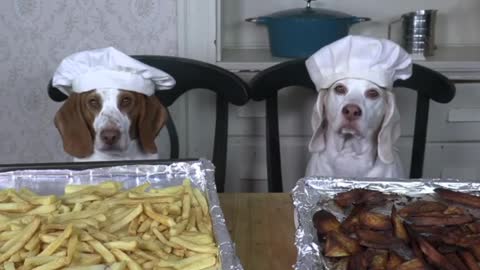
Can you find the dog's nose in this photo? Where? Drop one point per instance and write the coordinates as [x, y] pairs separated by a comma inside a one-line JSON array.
[[351, 112], [110, 136]]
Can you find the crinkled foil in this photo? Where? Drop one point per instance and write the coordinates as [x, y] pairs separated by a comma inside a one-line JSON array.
[[314, 193], [200, 172]]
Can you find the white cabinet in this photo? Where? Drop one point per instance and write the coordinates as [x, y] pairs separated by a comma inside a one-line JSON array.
[[215, 31]]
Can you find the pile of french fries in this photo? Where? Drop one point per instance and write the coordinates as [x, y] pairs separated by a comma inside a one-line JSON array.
[[419, 235], [103, 226]]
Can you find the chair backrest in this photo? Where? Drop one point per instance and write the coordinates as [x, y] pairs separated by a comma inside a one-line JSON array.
[[429, 85], [192, 74]]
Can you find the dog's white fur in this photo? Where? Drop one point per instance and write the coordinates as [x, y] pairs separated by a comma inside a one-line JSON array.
[[360, 148], [110, 116]]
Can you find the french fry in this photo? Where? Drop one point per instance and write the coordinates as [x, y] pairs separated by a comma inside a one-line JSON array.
[[119, 265], [102, 250], [71, 247], [201, 239], [89, 267], [82, 199], [78, 207], [191, 226], [132, 265], [184, 262], [123, 245], [15, 207], [68, 216], [9, 266], [42, 209], [101, 235], [133, 227], [39, 260], [102, 227], [144, 226], [178, 228], [188, 189], [85, 236], [201, 200], [52, 247], [193, 246], [124, 221], [7, 235], [164, 240], [140, 188], [15, 197], [187, 199], [145, 255], [86, 259], [179, 252], [21, 240], [168, 221], [201, 264]]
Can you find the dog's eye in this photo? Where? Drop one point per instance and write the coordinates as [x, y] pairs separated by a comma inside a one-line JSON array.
[[93, 103], [126, 101], [340, 89], [372, 94]]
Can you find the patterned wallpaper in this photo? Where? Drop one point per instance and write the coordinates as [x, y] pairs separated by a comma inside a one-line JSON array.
[[36, 35]]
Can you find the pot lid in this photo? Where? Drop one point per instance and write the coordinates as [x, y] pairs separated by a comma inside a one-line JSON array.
[[309, 13]]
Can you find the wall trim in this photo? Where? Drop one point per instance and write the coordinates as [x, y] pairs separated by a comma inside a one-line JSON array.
[[196, 26]]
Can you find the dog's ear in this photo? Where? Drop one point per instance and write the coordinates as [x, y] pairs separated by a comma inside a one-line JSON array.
[[152, 119], [390, 130], [319, 124], [73, 127]]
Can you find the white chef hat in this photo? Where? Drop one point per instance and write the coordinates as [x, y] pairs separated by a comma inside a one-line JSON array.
[[108, 68], [380, 61]]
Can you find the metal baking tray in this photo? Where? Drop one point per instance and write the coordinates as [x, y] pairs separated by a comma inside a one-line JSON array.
[[314, 193], [52, 179]]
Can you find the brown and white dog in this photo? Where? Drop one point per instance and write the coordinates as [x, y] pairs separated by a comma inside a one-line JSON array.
[[110, 124]]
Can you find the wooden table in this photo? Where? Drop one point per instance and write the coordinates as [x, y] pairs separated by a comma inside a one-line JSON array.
[[261, 226]]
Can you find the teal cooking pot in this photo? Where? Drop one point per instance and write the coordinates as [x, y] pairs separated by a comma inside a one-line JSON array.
[[301, 32]]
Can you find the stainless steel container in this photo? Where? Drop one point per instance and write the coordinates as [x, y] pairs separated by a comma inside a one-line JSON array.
[[418, 31]]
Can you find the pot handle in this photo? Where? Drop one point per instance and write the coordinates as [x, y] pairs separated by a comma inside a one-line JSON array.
[[360, 19], [258, 20]]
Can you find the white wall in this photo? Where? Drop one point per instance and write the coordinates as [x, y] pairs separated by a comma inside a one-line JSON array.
[[36, 35]]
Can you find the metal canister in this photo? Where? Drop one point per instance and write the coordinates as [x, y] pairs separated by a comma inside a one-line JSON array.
[[418, 29]]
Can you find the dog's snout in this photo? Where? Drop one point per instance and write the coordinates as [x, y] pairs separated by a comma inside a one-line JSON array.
[[110, 136], [351, 112]]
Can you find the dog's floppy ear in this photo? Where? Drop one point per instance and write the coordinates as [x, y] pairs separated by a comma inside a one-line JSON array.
[[152, 119], [72, 125], [390, 130], [319, 125]]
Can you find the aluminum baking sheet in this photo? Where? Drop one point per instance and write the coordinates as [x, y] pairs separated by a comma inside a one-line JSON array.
[[200, 172], [314, 193]]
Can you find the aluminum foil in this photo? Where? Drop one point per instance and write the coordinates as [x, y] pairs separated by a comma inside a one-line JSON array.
[[314, 193], [200, 172]]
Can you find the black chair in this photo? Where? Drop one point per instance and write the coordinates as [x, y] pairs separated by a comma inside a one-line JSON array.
[[429, 85], [191, 74]]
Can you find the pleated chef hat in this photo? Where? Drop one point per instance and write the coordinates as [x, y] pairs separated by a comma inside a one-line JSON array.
[[380, 61], [108, 68]]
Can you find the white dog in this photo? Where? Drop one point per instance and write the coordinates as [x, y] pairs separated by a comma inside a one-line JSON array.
[[355, 125], [355, 120]]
